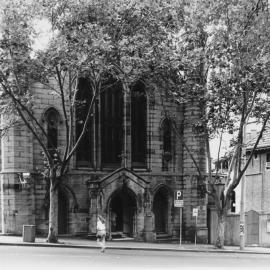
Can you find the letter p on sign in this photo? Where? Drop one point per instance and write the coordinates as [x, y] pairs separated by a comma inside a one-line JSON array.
[[178, 195]]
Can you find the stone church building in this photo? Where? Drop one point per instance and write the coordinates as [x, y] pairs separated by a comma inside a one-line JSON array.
[[127, 168]]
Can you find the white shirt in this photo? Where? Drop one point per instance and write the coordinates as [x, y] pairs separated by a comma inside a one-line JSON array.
[[100, 225]]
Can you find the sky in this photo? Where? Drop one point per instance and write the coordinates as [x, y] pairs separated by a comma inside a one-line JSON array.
[[44, 34], [252, 128]]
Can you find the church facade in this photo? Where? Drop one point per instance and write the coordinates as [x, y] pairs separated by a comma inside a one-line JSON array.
[[127, 168]]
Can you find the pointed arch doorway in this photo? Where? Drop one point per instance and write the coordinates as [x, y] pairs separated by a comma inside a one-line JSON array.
[[160, 209], [63, 206], [122, 213]]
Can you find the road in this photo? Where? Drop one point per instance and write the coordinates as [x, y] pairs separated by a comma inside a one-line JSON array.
[[39, 258]]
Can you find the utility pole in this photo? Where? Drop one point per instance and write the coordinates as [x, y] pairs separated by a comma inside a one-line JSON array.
[[243, 193]]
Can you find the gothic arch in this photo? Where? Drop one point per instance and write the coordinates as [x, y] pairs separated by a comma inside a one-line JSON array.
[[84, 153], [139, 124], [51, 122], [67, 203], [111, 123], [47, 110], [119, 190], [73, 203], [122, 212], [167, 139], [163, 187], [161, 208]]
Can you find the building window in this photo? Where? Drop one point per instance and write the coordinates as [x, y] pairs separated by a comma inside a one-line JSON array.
[[254, 159], [268, 161], [52, 120], [225, 164], [138, 125], [167, 144], [232, 201], [83, 100], [111, 123]]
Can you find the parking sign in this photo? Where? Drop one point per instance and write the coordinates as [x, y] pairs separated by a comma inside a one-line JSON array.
[[178, 198]]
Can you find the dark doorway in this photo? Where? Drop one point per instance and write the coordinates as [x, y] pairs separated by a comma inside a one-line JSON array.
[[122, 213], [160, 209], [62, 213]]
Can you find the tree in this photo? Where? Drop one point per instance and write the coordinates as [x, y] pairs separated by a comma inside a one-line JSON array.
[[95, 39], [243, 70], [226, 66]]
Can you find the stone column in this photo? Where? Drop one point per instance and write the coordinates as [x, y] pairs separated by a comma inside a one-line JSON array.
[[93, 207], [149, 234]]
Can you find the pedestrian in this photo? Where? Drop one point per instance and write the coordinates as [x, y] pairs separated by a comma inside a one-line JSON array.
[[101, 232]]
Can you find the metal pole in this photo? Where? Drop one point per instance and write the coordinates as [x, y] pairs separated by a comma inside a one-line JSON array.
[[242, 202], [180, 229], [195, 230]]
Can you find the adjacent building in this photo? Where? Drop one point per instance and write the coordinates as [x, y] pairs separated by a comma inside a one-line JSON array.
[[256, 196], [257, 193]]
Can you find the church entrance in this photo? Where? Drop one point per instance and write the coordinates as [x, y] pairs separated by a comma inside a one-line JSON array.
[[160, 209], [122, 213], [62, 213]]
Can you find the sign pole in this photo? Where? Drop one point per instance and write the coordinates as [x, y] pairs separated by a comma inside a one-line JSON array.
[[179, 202], [180, 229], [195, 230]]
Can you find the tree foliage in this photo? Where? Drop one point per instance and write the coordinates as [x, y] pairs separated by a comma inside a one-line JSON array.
[[226, 67]]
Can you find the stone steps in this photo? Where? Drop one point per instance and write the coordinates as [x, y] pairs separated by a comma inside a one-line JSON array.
[[166, 238]]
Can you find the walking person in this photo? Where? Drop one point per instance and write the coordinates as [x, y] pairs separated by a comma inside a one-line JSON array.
[[101, 232]]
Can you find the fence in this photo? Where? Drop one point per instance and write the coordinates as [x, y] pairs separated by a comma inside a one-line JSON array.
[[232, 228]]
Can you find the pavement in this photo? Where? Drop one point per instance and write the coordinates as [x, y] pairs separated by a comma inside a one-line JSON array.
[[74, 242]]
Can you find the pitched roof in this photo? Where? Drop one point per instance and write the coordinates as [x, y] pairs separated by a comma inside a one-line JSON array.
[[264, 143]]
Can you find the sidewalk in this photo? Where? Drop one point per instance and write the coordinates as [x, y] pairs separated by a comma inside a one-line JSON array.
[[130, 245]]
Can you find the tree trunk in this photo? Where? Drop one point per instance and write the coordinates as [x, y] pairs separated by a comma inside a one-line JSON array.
[[220, 230], [53, 214]]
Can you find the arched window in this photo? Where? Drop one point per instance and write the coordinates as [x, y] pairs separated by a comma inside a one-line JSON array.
[[167, 143], [111, 123], [167, 136], [83, 100], [138, 125], [52, 121]]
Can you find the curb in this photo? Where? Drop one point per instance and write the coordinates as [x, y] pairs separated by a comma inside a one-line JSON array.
[[180, 249]]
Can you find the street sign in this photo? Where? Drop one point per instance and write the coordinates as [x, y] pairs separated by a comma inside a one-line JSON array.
[[178, 195], [178, 198], [178, 203], [195, 212]]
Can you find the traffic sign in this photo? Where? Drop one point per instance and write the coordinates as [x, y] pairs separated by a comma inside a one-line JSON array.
[[195, 212], [178, 195], [178, 198], [178, 203]]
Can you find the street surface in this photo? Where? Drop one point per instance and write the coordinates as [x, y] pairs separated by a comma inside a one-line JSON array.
[[39, 258]]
